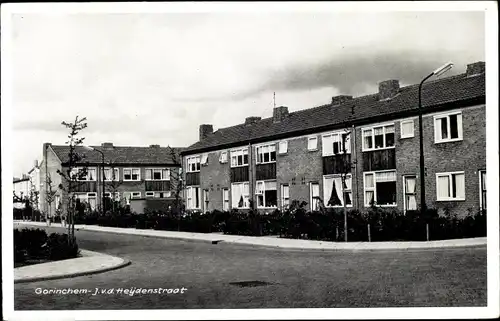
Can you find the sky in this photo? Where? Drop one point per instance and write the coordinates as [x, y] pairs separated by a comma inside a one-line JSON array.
[[153, 78]]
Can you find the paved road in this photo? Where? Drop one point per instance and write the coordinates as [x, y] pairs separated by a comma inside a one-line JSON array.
[[290, 278]]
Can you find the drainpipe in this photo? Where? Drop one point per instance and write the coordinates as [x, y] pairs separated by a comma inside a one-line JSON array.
[[250, 173], [354, 160]]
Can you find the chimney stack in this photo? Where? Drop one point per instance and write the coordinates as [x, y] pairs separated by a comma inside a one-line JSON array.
[[279, 114], [340, 99], [251, 120], [107, 145], [154, 146], [205, 130], [36, 163], [388, 89], [476, 68]]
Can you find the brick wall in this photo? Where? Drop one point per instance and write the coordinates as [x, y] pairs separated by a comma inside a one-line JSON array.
[[214, 177]]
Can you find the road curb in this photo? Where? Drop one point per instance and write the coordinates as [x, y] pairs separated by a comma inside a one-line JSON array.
[[125, 262]]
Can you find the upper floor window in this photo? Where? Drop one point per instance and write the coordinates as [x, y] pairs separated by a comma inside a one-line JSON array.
[[111, 174], [448, 128], [239, 157], [204, 159], [266, 154], [334, 143], [378, 137], [283, 147], [131, 174], [450, 186], [77, 173], [223, 157], [407, 128], [312, 143], [193, 164], [157, 174]]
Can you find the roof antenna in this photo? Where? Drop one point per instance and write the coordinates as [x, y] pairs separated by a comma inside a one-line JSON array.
[[274, 99]]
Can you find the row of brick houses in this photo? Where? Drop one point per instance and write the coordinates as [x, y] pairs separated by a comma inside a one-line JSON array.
[[299, 155], [146, 174]]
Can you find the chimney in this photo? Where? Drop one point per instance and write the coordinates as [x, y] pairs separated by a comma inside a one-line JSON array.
[[251, 120], [36, 163], [388, 89], [205, 130], [107, 145], [340, 99], [476, 68], [279, 114], [154, 146]]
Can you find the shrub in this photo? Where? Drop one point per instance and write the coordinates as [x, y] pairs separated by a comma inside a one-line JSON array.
[[30, 243], [59, 247]]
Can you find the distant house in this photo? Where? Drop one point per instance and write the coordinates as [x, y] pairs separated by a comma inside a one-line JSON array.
[[129, 173], [21, 191], [300, 155], [34, 178]]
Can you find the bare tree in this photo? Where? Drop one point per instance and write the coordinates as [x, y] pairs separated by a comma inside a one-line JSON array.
[[112, 183], [70, 176], [50, 195], [33, 197], [179, 186]]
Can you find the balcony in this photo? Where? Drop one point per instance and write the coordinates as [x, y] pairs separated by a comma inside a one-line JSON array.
[[377, 160], [239, 174], [84, 187], [265, 171], [335, 164], [193, 179], [158, 185]]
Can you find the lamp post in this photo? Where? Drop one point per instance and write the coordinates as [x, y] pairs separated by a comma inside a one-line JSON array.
[[102, 176], [438, 72]]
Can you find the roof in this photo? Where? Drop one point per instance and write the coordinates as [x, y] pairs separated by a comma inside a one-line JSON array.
[[122, 155], [435, 94]]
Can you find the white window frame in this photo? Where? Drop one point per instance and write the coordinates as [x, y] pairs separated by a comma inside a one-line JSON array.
[[481, 205], [325, 177], [189, 197], [412, 125], [148, 194], [244, 195], [193, 160], [94, 196], [263, 190], [338, 134], [258, 151], [449, 174], [239, 152], [311, 138], [372, 129], [206, 199], [204, 159], [311, 200], [283, 150], [108, 195], [224, 200], [404, 190], [283, 198], [223, 157], [136, 196], [76, 170], [374, 189], [111, 170], [132, 174], [161, 169], [437, 129]]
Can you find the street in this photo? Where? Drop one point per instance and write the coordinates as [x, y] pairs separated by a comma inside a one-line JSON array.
[[271, 278]]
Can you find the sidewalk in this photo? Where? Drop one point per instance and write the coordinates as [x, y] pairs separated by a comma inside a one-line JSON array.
[[266, 241], [89, 263]]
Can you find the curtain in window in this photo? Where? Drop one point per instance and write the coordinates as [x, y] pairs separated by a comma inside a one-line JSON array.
[[411, 200], [270, 185], [443, 187], [386, 176], [407, 128], [367, 138], [148, 174], [460, 185], [369, 181], [347, 186], [165, 174], [369, 197]]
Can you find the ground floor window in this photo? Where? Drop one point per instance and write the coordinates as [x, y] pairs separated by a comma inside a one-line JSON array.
[[380, 188], [314, 196], [206, 199], [450, 186], [193, 197], [332, 190], [240, 195], [225, 199], [482, 185], [152, 194], [409, 187], [285, 196], [58, 202], [109, 194], [267, 195]]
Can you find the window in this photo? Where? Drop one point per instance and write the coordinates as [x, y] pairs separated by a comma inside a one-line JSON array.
[[193, 197], [450, 186], [410, 200], [380, 188], [312, 143], [223, 157], [239, 157], [283, 147], [448, 128], [378, 137], [126, 197], [314, 196], [239, 195], [332, 190], [131, 174], [92, 200], [135, 195], [407, 128], [108, 195], [482, 187], [193, 164], [225, 199], [158, 194], [206, 199], [150, 194], [267, 195], [157, 174], [285, 196], [77, 174], [266, 154], [333, 144], [204, 159], [111, 174]]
